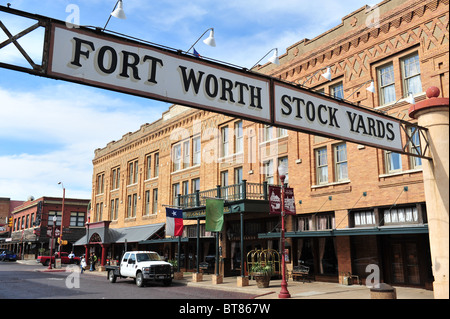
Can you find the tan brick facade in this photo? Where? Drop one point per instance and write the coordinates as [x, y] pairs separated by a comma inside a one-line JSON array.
[[366, 41]]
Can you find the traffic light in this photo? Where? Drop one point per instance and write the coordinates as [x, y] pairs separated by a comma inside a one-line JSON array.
[[10, 222]]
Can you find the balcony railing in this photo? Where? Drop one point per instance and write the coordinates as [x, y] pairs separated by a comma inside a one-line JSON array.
[[230, 193]]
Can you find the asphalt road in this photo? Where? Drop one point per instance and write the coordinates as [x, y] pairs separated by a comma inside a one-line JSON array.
[[21, 281]]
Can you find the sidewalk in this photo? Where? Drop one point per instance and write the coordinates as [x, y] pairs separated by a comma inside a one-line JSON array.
[[297, 290]]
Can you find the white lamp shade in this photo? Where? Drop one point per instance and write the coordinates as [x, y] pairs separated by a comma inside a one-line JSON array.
[[371, 87], [410, 99], [274, 58], [327, 75], [119, 13], [210, 40]]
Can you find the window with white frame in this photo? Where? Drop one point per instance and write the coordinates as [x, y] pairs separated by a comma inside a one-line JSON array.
[[176, 157], [411, 74], [132, 172], [340, 162], [114, 209], [386, 84], [321, 166], [115, 178], [196, 158], [186, 154], [337, 90], [364, 218], [148, 173], [408, 215], [156, 170], [147, 203], [268, 171], [239, 137], [304, 223], [224, 141], [155, 201], [100, 183], [393, 162], [325, 221]]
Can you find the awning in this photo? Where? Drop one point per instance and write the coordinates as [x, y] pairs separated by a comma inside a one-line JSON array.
[[120, 235], [381, 230]]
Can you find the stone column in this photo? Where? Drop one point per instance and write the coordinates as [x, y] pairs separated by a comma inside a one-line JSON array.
[[433, 115]]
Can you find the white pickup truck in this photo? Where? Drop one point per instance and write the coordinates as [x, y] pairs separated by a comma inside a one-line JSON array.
[[142, 266]]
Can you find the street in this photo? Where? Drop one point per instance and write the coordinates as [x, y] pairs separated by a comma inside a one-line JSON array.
[[24, 281]]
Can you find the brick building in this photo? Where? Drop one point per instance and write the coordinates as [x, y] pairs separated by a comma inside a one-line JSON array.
[[356, 205], [32, 219]]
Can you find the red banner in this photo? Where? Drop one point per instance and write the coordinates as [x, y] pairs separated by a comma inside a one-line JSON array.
[[275, 200]]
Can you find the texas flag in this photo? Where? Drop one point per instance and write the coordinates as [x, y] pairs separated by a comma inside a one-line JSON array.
[[197, 54], [174, 222]]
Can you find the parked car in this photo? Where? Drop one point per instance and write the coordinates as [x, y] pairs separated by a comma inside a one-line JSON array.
[[45, 260], [8, 255]]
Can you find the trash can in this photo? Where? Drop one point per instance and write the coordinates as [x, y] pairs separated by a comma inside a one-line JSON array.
[[384, 291]]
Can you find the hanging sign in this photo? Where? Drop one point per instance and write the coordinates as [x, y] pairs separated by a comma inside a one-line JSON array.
[[112, 63], [275, 203]]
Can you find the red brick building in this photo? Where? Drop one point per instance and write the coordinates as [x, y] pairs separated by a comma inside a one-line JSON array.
[[34, 217]]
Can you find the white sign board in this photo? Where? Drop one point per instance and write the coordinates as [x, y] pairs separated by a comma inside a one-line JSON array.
[[98, 59], [325, 116], [141, 70]]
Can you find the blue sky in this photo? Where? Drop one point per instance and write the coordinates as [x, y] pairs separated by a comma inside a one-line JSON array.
[[49, 129]]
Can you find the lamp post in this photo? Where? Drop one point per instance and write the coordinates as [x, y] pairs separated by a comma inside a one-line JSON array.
[[284, 293], [62, 218], [51, 245]]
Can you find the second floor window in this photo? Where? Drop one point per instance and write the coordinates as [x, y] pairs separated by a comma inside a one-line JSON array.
[[115, 178], [224, 139], [340, 158], [393, 162], [239, 138], [414, 147], [337, 91], [133, 172], [321, 166], [411, 75], [387, 84], [100, 183]]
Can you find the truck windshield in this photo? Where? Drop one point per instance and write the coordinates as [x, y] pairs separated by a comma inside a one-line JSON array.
[[148, 257]]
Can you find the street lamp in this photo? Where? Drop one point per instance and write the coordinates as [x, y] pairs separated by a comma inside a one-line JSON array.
[[51, 245], [284, 293], [117, 13], [62, 218]]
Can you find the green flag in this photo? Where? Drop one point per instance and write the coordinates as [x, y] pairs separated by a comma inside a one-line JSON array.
[[214, 215]]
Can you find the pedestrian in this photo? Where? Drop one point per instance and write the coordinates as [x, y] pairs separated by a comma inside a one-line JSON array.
[[71, 257], [92, 261], [83, 263]]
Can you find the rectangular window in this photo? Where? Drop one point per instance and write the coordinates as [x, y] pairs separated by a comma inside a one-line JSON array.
[[129, 206], [100, 183], [156, 165], [134, 205], [411, 75], [196, 158], [414, 147], [267, 133], [175, 192], [186, 154], [148, 172], [387, 84], [406, 215], [364, 218], [325, 221], [195, 185], [283, 161], [268, 171], [50, 218], [114, 209], [98, 212], [224, 144], [393, 162], [337, 91], [176, 157], [155, 201], [239, 137], [340, 162], [77, 219], [304, 223], [133, 172], [147, 203], [321, 166], [115, 178]]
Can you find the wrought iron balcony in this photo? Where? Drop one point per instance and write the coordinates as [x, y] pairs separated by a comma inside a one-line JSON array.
[[230, 193]]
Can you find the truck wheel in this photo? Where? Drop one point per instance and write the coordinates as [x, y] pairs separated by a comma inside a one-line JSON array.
[[139, 279], [111, 277]]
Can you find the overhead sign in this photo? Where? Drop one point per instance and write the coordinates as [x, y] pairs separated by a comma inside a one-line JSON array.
[[91, 58], [96, 58], [326, 116]]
